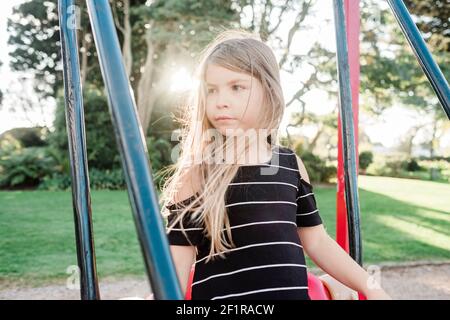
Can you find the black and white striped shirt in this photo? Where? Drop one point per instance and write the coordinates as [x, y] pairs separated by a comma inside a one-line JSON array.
[[265, 209]]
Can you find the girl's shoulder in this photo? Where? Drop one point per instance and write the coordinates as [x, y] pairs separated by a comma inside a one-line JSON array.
[[285, 153], [295, 161], [283, 149]]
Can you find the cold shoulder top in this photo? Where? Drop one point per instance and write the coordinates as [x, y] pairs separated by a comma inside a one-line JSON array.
[[266, 204]]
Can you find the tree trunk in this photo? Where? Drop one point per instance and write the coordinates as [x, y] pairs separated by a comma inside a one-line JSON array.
[[84, 58], [145, 91], [126, 47], [433, 138], [410, 144], [316, 138]]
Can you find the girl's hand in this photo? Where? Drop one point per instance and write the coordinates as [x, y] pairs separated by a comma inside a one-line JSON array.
[[150, 297], [378, 294]]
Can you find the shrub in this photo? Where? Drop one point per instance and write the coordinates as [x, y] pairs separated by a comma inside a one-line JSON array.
[[438, 170], [27, 137], [102, 150], [98, 179], [25, 167], [317, 169], [365, 159], [55, 181], [107, 179], [412, 165]]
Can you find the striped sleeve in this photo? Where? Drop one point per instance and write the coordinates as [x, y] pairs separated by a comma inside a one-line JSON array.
[[307, 210], [193, 231]]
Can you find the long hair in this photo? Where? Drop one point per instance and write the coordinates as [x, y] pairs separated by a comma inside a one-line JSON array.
[[238, 51]]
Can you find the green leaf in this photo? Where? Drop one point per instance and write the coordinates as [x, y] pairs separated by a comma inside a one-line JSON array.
[[18, 179]]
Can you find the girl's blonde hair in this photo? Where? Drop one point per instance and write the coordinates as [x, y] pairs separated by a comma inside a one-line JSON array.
[[239, 51]]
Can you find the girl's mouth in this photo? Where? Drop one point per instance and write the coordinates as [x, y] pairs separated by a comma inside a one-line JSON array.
[[224, 118]]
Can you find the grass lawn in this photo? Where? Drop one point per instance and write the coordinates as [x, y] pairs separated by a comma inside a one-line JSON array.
[[402, 220]]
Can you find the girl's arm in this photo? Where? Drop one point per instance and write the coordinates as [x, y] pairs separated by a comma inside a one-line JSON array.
[[332, 259], [184, 255], [183, 258]]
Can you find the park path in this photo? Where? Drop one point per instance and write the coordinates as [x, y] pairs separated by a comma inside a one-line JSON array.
[[420, 281]]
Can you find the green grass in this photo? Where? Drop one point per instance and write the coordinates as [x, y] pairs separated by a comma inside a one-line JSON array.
[[402, 220], [38, 239]]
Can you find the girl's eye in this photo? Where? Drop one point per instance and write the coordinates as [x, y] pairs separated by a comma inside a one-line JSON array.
[[235, 88]]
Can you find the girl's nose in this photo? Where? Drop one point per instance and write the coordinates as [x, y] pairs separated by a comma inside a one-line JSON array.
[[222, 101], [222, 106]]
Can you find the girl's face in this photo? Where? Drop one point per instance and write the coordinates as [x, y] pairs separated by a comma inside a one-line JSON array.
[[237, 96]]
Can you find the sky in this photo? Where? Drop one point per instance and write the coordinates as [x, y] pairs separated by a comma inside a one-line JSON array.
[[385, 130]]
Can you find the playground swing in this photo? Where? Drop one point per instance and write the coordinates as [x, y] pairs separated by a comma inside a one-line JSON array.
[[146, 212]]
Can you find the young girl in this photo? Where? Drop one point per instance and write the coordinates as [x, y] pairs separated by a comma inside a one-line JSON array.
[[239, 205]]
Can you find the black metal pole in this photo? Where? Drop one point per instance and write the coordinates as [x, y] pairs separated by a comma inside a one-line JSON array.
[[423, 55], [77, 151], [348, 136], [133, 150]]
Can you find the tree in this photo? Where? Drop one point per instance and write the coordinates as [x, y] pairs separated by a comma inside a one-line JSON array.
[[162, 34], [390, 73], [171, 33], [319, 66], [35, 43], [432, 18], [318, 61], [1, 93]]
